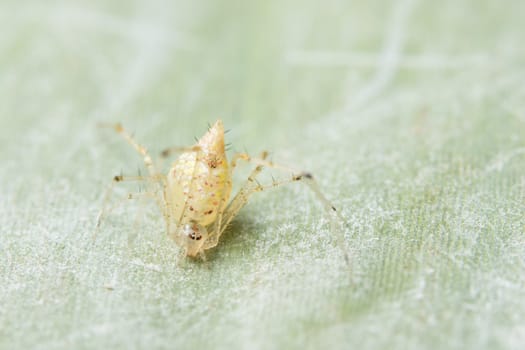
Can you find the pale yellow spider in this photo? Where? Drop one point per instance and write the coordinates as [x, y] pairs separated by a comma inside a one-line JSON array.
[[194, 195]]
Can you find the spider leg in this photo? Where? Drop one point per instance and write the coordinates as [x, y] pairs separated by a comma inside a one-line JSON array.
[[167, 152], [148, 161], [252, 186], [154, 177], [232, 209], [105, 210], [218, 227]]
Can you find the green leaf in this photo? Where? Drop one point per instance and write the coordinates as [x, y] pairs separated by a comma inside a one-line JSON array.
[[410, 114]]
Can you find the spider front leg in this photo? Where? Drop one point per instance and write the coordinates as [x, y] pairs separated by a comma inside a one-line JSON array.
[[218, 227], [237, 203], [252, 186]]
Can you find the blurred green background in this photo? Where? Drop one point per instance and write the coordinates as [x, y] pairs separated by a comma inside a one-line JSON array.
[[410, 113]]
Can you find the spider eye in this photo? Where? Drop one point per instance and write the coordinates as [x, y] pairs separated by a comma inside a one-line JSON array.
[[194, 236], [194, 231]]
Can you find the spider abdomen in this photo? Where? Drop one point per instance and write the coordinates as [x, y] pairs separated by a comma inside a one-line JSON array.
[[199, 182]]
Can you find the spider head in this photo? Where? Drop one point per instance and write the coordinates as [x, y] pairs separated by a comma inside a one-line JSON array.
[[192, 237]]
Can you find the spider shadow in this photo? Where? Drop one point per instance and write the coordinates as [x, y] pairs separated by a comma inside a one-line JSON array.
[[235, 238]]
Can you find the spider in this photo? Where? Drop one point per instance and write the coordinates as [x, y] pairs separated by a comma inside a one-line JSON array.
[[194, 196]]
